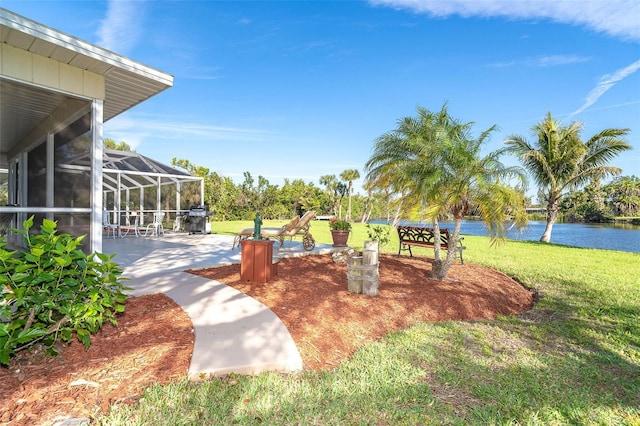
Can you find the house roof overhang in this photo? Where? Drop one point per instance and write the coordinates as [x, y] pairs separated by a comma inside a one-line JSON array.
[[23, 107]]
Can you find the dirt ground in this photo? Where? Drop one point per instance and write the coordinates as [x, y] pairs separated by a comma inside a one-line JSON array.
[[154, 338]]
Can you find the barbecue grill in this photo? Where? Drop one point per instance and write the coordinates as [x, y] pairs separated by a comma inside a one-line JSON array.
[[199, 220]]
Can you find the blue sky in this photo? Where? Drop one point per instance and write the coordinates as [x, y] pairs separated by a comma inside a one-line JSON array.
[[296, 89]]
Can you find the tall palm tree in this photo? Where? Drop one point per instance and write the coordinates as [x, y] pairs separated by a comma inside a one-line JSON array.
[[559, 161], [349, 176], [436, 165], [333, 190], [368, 205], [381, 193]]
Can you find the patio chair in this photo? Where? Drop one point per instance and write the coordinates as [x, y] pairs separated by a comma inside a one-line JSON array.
[[6, 222], [301, 228], [156, 227], [107, 225], [247, 233], [293, 228], [131, 222]]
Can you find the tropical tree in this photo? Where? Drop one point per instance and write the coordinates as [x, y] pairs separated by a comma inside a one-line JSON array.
[[559, 161], [329, 182], [190, 191], [437, 167], [219, 191], [587, 205], [111, 144], [335, 191], [299, 197], [349, 176], [624, 195]]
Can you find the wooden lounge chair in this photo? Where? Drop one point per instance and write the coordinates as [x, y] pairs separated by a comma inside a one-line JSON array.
[[297, 226], [247, 233], [301, 228]]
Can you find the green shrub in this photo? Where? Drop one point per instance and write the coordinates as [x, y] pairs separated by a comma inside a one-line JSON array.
[[379, 233], [52, 289], [339, 225]]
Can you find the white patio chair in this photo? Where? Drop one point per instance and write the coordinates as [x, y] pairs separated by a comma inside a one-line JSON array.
[[156, 227], [107, 225], [131, 223]]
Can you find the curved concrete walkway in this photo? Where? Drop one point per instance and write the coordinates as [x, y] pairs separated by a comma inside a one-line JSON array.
[[233, 332]]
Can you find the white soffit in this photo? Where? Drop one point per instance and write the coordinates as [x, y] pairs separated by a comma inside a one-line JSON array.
[[128, 82]]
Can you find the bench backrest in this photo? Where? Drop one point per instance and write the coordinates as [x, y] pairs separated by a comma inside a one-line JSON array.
[[423, 235]]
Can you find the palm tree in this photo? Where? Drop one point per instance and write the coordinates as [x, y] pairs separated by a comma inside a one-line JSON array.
[[436, 166], [368, 205], [331, 184], [381, 196], [559, 161], [349, 176], [624, 195]]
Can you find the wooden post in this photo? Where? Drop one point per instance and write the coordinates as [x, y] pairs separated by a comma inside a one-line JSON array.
[[370, 267], [354, 274]]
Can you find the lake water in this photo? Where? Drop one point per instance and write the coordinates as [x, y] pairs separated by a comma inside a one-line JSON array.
[[624, 237]]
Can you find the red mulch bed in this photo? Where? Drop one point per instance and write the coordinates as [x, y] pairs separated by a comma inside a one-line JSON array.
[[153, 341]]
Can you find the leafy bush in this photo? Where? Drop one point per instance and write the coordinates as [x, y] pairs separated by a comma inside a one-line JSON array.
[[52, 289], [379, 233], [339, 224]]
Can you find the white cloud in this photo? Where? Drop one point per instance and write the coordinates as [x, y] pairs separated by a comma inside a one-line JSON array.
[[120, 30], [617, 18], [553, 60], [606, 82], [544, 61], [136, 130]]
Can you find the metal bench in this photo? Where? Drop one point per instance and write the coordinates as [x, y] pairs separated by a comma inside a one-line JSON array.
[[425, 237]]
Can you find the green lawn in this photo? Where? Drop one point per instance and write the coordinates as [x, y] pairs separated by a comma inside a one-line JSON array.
[[573, 359]]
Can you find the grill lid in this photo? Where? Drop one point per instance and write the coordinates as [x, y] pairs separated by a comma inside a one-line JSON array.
[[199, 211]]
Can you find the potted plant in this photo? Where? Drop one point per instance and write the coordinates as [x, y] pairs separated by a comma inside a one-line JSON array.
[[339, 231]]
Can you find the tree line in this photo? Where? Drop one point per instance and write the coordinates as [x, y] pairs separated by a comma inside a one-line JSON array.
[[601, 203], [430, 166], [332, 195]]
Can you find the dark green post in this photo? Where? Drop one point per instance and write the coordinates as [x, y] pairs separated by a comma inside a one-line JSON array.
[[257, 223]]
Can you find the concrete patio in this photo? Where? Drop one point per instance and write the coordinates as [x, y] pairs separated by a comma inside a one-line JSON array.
[[233, 332]]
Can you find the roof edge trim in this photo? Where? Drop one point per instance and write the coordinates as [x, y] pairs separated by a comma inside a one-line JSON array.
[[25, 25]]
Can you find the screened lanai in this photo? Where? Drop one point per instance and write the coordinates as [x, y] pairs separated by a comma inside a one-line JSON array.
[[135, 183]]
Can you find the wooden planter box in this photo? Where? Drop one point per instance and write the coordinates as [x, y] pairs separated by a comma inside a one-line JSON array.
[[257, 260]]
